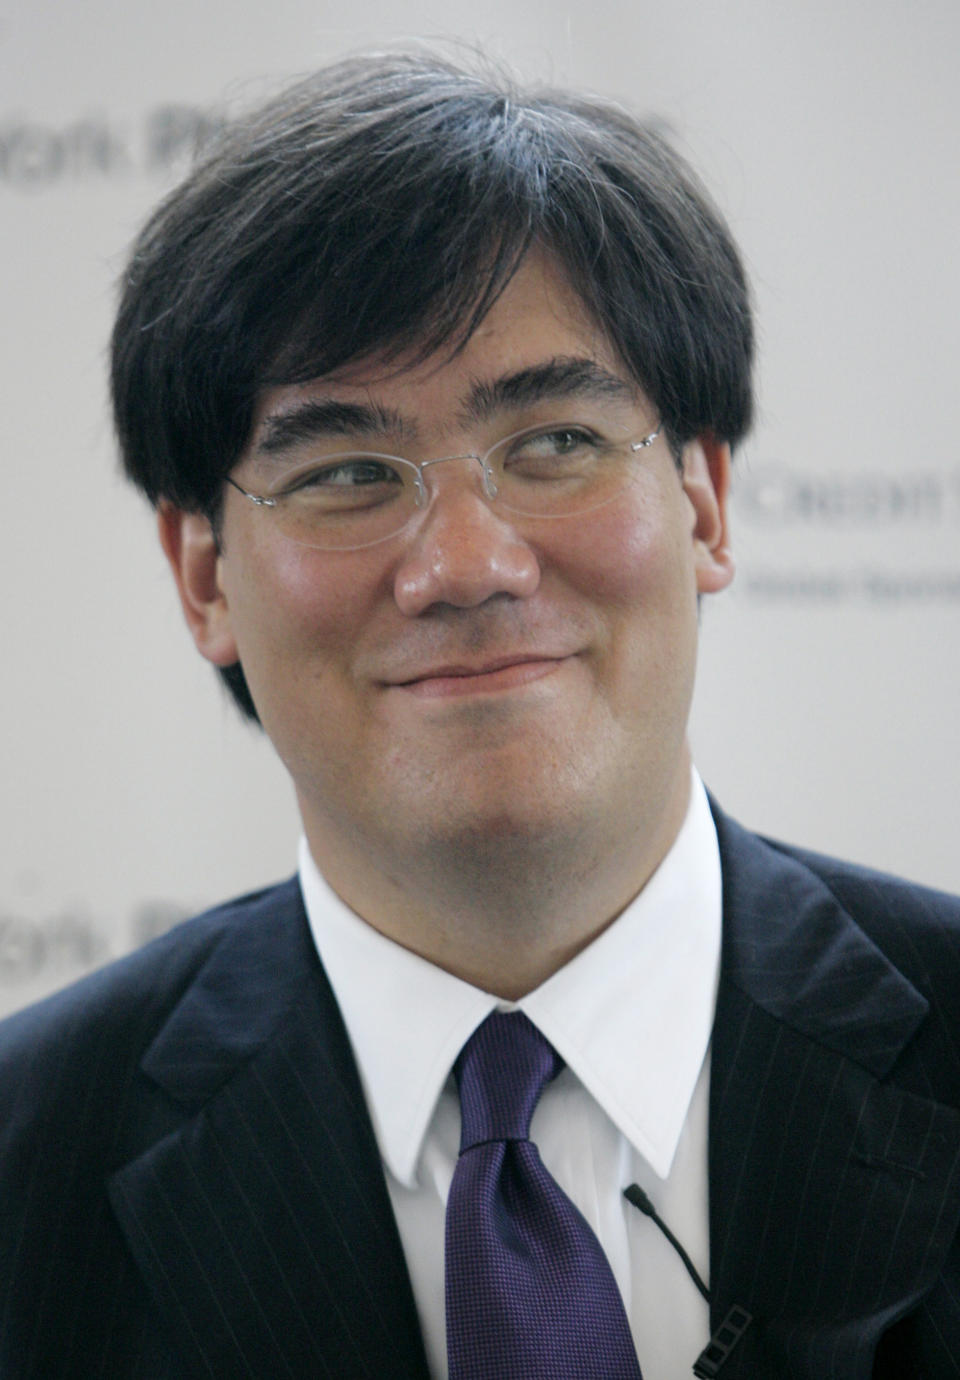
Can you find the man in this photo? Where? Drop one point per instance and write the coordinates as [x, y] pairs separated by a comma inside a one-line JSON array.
[[434, 386]]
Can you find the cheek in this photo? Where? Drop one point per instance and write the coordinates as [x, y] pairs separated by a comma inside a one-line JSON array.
[[294, 603], [635, 553], [634, 561]]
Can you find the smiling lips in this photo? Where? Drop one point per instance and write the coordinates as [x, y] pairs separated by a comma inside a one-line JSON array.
[[505, 673]]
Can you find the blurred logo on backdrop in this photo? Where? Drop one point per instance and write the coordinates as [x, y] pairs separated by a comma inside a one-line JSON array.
[[778, 495], [49, 950], [37, 154], [877, 536]]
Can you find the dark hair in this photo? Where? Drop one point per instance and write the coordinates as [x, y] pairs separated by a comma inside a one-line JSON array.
[[383, 204]]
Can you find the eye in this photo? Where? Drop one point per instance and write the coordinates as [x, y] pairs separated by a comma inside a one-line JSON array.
[[569, 439], [562, 440], [555, 452], [342, 472], [342, 483]]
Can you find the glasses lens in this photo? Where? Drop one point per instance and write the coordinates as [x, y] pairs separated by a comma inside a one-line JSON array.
[[561, 469], [346, 501], [350, 500]]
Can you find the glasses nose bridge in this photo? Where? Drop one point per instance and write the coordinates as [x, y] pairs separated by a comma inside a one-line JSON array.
[[487, 480]]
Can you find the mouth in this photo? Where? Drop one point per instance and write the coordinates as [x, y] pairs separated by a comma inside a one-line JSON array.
[[505, 673]]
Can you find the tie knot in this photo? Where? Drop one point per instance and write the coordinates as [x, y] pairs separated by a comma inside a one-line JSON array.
[[501, 1072]]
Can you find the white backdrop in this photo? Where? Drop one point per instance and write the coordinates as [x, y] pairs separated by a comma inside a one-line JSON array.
[[827, 705]]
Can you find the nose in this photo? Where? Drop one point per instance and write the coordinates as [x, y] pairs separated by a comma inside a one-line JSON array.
[[462, 552]]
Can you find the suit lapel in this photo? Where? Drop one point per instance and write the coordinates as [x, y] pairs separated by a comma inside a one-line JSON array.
[[262, 1225], [834, 1190]]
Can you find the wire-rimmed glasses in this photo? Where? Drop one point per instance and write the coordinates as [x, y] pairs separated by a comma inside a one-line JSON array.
[[348, 500]]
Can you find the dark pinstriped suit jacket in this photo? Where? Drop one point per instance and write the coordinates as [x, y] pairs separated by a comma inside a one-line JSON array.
[[190, 1185]]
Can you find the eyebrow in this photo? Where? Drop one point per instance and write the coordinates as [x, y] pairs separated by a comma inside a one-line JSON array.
[[319, 417], [552, 380], [562, 377]]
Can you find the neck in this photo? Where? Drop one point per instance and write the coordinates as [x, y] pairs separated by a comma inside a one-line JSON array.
[[499, 908]]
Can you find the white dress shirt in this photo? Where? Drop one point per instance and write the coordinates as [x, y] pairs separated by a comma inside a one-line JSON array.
[[631, 1015]]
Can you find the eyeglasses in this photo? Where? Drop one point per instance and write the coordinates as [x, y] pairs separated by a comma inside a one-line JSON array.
[[344, 501]]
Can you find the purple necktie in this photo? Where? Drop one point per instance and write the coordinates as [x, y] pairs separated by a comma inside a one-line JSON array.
[[530, 1294]]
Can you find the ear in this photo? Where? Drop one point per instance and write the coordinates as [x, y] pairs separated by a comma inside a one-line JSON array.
[[191, 548], [706, 482]]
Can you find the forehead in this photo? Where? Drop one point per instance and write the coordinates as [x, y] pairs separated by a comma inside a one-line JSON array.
[[537, 342]]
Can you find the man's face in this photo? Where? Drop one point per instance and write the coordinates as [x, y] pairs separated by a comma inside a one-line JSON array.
[[480, 675]]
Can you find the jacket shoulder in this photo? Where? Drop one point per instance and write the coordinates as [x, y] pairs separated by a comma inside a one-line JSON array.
[[79, 1102], [146, 982], [916, 928], [74, 1056], [892, 910]]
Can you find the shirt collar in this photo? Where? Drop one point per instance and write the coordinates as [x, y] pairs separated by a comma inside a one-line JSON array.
[[631, 1014]]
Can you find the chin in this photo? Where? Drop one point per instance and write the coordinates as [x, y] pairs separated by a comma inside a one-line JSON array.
[[527, 813]]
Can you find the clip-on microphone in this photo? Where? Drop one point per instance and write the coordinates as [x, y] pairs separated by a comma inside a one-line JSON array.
[[714, 1354]]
